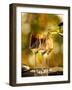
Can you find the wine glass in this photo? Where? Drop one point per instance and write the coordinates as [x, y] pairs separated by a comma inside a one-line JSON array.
[[39, 44], [33, 46]]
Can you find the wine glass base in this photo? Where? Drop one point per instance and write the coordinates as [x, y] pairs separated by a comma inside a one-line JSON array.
[[41, 72]]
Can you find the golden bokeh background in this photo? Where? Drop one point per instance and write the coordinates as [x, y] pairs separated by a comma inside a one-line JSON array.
[[40, 25]]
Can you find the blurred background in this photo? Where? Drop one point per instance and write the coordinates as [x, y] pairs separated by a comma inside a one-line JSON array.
[[42, 41]]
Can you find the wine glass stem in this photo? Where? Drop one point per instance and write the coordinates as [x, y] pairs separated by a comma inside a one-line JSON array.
[[35, 65]]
